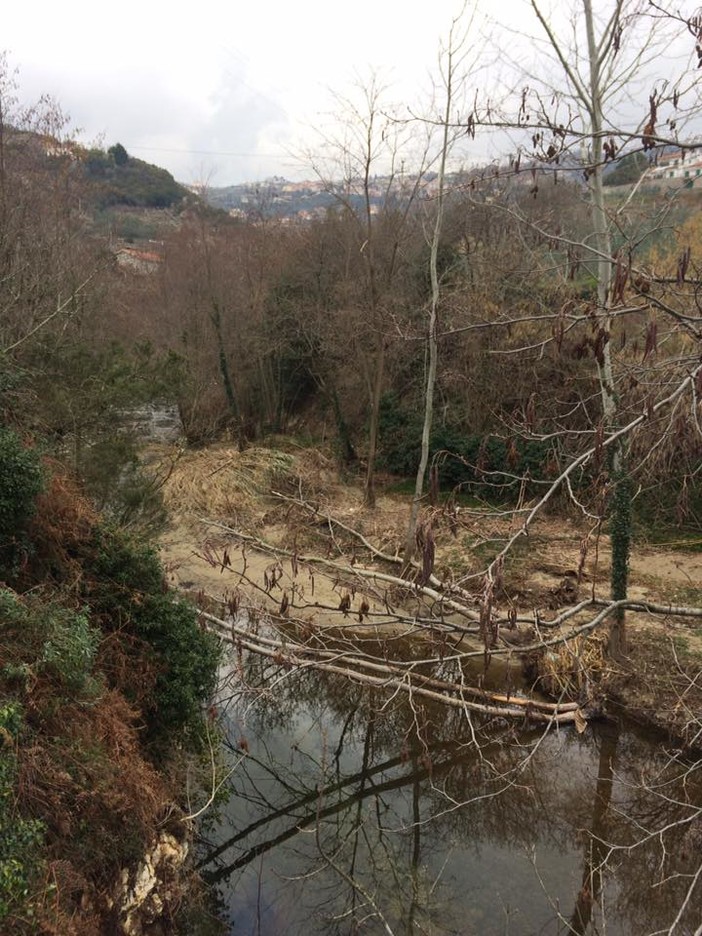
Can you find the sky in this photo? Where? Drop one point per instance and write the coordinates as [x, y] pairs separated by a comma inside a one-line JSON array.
[[225, 92], [217, 92]]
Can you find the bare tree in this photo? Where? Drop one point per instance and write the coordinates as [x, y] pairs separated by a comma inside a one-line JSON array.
[[453, 62], [581, 117], [364, 168]]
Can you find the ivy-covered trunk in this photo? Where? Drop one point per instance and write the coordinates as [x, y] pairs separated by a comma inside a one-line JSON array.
[[620, 537]]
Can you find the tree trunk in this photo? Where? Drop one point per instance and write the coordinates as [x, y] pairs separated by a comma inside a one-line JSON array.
[[620, 504], [373, 428], [432, 340], [232, 401]]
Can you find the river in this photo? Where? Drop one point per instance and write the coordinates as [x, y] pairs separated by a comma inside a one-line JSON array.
[[349, 810]]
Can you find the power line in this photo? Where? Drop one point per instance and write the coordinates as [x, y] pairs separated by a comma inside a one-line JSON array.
[[200, 152]]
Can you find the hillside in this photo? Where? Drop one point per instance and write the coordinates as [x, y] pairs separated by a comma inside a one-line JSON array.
[[116, 178]]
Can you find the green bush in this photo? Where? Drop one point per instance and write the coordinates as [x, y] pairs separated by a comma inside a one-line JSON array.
[[19, 859], [10, 722], [127, 588], [21, 480], [70, 649], [54, 641], [20, 838], [486, 465], [87, 411]]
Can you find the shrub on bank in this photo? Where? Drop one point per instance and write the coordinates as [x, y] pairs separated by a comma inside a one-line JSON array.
[[102, 669], [126, 588], [21, 480], [484, 465], [20, 838]]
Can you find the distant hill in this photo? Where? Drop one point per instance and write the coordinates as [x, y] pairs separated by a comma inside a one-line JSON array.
[[276, 198], [107, 178], [116, 178], [119, 196]]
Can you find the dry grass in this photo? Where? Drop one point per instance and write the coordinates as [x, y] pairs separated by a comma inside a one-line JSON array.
[[225, 483], [565, 671], [98, 796]]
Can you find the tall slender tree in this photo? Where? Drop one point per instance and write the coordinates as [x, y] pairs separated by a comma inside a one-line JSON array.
[[581, 116], [363, 167]]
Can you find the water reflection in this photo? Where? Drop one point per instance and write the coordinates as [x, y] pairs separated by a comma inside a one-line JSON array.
[[357, 812]]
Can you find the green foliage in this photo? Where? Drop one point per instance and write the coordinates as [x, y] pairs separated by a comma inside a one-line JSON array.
[[129, 592], [96, 163], [136, 501], [54, 641], [20, 838], [485, 465], [449, 264], [86, 407], [620, 533], [126, 224], [119, 154], [70, 650], [87, 386], [93, 779], [116, 178], [138, 184], [21, 480], [627, 170], [292, 357], [10, 721]]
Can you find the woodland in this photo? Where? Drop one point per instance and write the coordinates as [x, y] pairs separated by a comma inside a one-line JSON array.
[[396, 400]]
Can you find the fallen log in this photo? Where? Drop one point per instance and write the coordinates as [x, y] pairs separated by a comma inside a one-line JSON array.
[[391, 676]]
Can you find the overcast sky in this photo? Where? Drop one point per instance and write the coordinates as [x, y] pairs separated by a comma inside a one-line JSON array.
[[228, 92], [212, 89]]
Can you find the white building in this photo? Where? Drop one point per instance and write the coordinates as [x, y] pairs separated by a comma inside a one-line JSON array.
[[675, 167]]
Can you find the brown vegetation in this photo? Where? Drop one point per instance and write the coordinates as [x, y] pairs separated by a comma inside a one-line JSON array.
[[82, 769]]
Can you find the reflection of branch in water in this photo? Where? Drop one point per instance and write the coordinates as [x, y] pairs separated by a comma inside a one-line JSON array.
[[367, 743], [365, 789], [391, 866], [351, 880], [414, 862]]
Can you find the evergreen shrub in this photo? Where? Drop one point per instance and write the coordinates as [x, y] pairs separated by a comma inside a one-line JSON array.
[[484, 464], [21, 481], [126, 587], [20, 838]]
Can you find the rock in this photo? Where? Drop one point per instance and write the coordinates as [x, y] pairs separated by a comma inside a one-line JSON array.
[[145, 892]]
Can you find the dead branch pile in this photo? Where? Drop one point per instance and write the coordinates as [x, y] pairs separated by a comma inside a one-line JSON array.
[[569, 669], [347, 588]]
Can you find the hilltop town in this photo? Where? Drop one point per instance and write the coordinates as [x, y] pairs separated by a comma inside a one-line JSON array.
[[307, 200]]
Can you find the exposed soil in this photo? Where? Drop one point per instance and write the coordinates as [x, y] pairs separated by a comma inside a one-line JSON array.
[[559, 563]]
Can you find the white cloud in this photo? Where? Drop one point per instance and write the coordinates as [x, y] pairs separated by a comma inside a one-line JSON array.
[[230, 89], [217, 78]]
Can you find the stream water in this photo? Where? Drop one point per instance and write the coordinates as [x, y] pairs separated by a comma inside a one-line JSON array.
[[349, 810]]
